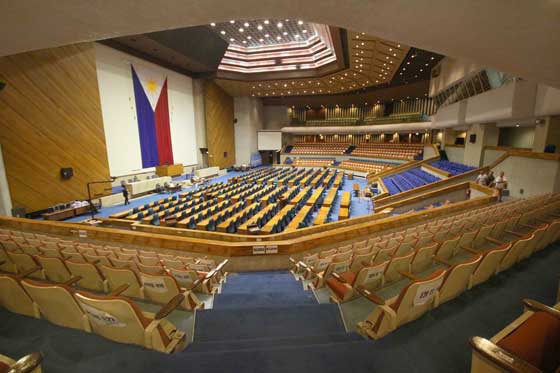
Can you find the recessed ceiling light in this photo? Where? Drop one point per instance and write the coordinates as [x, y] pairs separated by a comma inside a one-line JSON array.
[[222, 32], [300, 22], [363, 43], [432, 58], [213, 24], [357, 36], [232, 21], [246, 24], [266, 21], [284, 33], [249, 37], [278, 37], [408, 63], [259, 27], [231, 39], [304, 31], [244, 42], [279, 25], [241, 30], [261, 40], [296, 36], [266, 35], [426, 64], [398, 45]]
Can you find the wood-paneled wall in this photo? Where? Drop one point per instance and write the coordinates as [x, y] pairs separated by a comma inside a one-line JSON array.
[[220, 133], [50, 117]]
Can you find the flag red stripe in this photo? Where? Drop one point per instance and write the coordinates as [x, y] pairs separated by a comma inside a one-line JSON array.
[[163, 131]]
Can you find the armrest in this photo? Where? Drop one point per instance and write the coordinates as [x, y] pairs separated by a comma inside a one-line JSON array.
[[305, 266], [493, 240], [370, 296], [408, 275], [210, 274], [535, 306], [28, 272], [514, 233], [292, 260], [338, 278], [365, 263], [501, 357], [170, 307], [119, 290], [96, 262], [443, 261], [468, 249], [72, 281], [27, 363]]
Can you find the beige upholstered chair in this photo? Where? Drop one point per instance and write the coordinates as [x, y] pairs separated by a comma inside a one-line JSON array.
[[457, 279], [28, 364], [489, 264], [13, 296], [117, 277], [343, 286], [163, 287], [91, 276]]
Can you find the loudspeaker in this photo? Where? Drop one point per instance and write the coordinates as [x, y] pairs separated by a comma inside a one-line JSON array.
[[234, 120], [18, 212], [2, 85], [472, 138], [66, 173]]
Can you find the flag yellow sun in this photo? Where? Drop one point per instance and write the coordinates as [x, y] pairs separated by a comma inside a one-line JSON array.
[[151, 86]]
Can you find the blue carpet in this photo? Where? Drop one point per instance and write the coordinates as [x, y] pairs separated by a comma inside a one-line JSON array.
[[437, 342]]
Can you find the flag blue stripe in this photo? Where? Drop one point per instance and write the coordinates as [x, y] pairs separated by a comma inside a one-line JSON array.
[[146, 124]]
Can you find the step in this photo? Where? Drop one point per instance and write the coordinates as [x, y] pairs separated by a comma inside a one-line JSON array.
[[267, 322], [272, 343], [268, 299]]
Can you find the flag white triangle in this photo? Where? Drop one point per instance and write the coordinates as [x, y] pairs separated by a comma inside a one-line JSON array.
[[152, 83]]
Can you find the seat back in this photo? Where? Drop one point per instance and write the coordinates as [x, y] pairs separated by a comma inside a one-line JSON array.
[[124, 263], [489, 264], [359, 260], [403, 248], [57, 304], [338, 267], [467, 239], [322, 264], [25, 262], [98, 259], [512, 255], [550, 236], [371, 277], [414, 300], [185, 277], [457, 278], [423, 258], [153, 270], [159, 288], [342, 257], [483, 232], [90, 274], [7, 264], [396, 265], [54, 268], [51, 253], [529, 248], [448, 248], [120, 276], [175, 264], [499, 228], [149, 260], [115, 318], [14, 298], [327, 253]]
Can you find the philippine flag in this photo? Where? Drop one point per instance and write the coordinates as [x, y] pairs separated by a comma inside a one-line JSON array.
[[152, 111]]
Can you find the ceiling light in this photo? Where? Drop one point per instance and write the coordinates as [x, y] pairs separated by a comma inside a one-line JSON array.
[[261, 40], [259, 27], [304, 31], [426, 64], [231, 39], [394, 55], [432, 58], [357, 36], [517, 125], [222, 32], [408, 63], [246, 24], [284, 33], [300, 22], [296, 36], [241, 30], [278, 37], [213, 24], [249, 37], [421, 70], [266, 35], [232, 21], [398, 45], [266, 21], [279, 25], [244, 42]]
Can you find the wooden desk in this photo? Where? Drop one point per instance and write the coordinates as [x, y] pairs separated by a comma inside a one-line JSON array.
[[299, 196], [267, 228], [343, 213], [223, 226], [315, 196], [322, 215], [66, 213], [331, 195], [170, 170], [356, 188], [345, 200], [243, 228], [299, 218], [350, 176]]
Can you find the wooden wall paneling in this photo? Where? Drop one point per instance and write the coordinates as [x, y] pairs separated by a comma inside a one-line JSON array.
[[50, 117], [220, 133]]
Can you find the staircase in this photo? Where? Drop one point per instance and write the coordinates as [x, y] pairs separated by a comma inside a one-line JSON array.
[[288, 149], [350, 149], [264, 321]]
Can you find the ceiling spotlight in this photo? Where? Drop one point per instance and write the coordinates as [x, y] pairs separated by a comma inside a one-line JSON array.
[[232, 21], [432, 58], [284, 33], [279, 25], [213, 24], [259, 27], [266, 21], [517, 125], [244, 42], [300, 22], [304, 31], [231, 39], [222, 32], [296, 36], [261, 40], [390, 49], [241, 30], [266, 35], [246, 24], [248, 37], [278, 38], [398, 45]]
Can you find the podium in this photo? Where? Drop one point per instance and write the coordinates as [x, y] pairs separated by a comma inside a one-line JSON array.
[[170, 170]]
